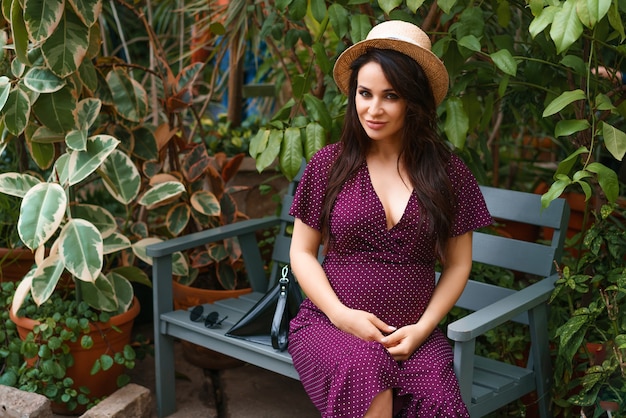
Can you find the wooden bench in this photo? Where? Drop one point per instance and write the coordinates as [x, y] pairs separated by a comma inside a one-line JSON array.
[[486, 384]]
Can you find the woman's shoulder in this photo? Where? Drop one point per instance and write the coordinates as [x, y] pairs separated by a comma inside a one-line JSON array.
[[326, 156]]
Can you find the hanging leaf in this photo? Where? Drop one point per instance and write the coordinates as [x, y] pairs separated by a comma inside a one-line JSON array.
[[177, 218], [614, 140], [41, 213], [566, 26], [121, 177], [129, 97], [457, 123], [42, 80], [41, 18], [81, 248], [82, 163], [562, 101], [291, 153], [16, 112], [66, 48], [505, 62], [20, 34], [87, 10], [56, 110], [46, 278]]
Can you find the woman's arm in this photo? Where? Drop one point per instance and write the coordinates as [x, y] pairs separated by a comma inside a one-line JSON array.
[[305, 244], [452, 281]]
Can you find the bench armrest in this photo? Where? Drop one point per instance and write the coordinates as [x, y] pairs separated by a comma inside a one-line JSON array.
[[477, 323], [196, 239]]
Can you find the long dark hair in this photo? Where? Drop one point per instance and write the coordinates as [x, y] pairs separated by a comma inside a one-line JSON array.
[[424, 153]]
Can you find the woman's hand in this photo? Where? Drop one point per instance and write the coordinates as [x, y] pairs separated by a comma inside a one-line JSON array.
[[361, 324], [403, 343]]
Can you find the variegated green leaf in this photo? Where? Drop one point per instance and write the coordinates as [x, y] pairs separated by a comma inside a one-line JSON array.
[[16, 112], [121, 177], [22, 291], [87, 111], [88, 75], [116, 242], [566, 27], [41, 213], [206, 203], [5, 89], [161, 192], [82, 163], [42, 17], [81, 249], [56, 110], [43, 154], [16, 184], [133, 274], [97, 216], [177, 218], [130, 98], [42, 80], [180, 267], [145, 144], [46, 277], [20, 34], [99, 294], [87, 10], [44, 135], [123, 291], [66, 48], [76, 140]]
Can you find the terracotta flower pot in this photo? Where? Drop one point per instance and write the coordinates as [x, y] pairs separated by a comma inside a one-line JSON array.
[[186, 297], [106, 340]]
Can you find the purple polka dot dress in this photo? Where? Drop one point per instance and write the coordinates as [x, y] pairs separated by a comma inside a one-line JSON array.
[[390, 273]]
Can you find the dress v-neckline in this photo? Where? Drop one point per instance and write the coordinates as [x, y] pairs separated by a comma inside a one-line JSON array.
[[380, 202]]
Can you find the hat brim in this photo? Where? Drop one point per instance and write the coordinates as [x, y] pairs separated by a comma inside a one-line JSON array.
[[433, 67]]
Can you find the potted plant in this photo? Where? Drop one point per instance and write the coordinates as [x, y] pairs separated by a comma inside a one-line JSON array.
[[590, 366]]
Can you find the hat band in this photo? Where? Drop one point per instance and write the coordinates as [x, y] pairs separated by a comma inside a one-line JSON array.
[[401, 38]]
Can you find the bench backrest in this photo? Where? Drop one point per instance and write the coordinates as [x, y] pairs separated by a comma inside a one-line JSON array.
[[534, 258]]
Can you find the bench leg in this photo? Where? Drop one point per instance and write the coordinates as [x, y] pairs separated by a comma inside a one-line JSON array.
[[164, 374], [540, 355]]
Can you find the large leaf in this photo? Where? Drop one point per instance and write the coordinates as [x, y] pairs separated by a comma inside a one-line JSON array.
[[56, 110], [99, 294], [177, 218], [456, 124], [566, 26], [115, 242], [121, 177], [16, 184], [318, 111], [505, 62], [291, 152], [180, 267], [97, 216], [22, 291], [314, 139], [614, 140], [16, 111], [123, 291], [82, 163], [87, 111], [42, 17], [42, 80], [564, 99], [206, 203], [130, 98], [87, 10], [46, 277], [5, 89], [81, 249], [66, 48], [607, 179], [41, 214], [20, 34], [161, 192], [269, 154]]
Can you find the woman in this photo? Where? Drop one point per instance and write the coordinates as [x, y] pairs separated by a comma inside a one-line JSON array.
[[388, 201]]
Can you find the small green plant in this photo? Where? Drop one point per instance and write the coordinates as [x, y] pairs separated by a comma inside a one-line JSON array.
[[40, 361], [593, 288]]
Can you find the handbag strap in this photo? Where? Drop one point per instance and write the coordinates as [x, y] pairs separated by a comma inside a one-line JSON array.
[[280, 323]]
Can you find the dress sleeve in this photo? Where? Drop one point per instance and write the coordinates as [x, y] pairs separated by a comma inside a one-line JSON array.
[[471, 210], [309, 198]]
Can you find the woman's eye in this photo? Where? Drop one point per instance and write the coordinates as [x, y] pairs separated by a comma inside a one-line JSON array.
[[392, 96], [364, 93]]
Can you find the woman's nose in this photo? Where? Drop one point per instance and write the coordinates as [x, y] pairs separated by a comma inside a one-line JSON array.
[[375, 107]]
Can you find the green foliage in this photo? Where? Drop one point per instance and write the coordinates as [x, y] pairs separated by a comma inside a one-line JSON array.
[[591, 294], [39, 362]]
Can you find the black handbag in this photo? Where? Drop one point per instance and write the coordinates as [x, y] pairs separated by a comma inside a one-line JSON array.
[[268, 320]]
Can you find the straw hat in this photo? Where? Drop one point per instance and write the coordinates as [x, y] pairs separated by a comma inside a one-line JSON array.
[[403, 37]]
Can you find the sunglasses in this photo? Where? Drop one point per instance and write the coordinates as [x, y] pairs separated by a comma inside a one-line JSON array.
[[212, 320]]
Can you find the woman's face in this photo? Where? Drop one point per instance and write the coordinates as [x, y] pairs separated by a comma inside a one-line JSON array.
[[381, 111]]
